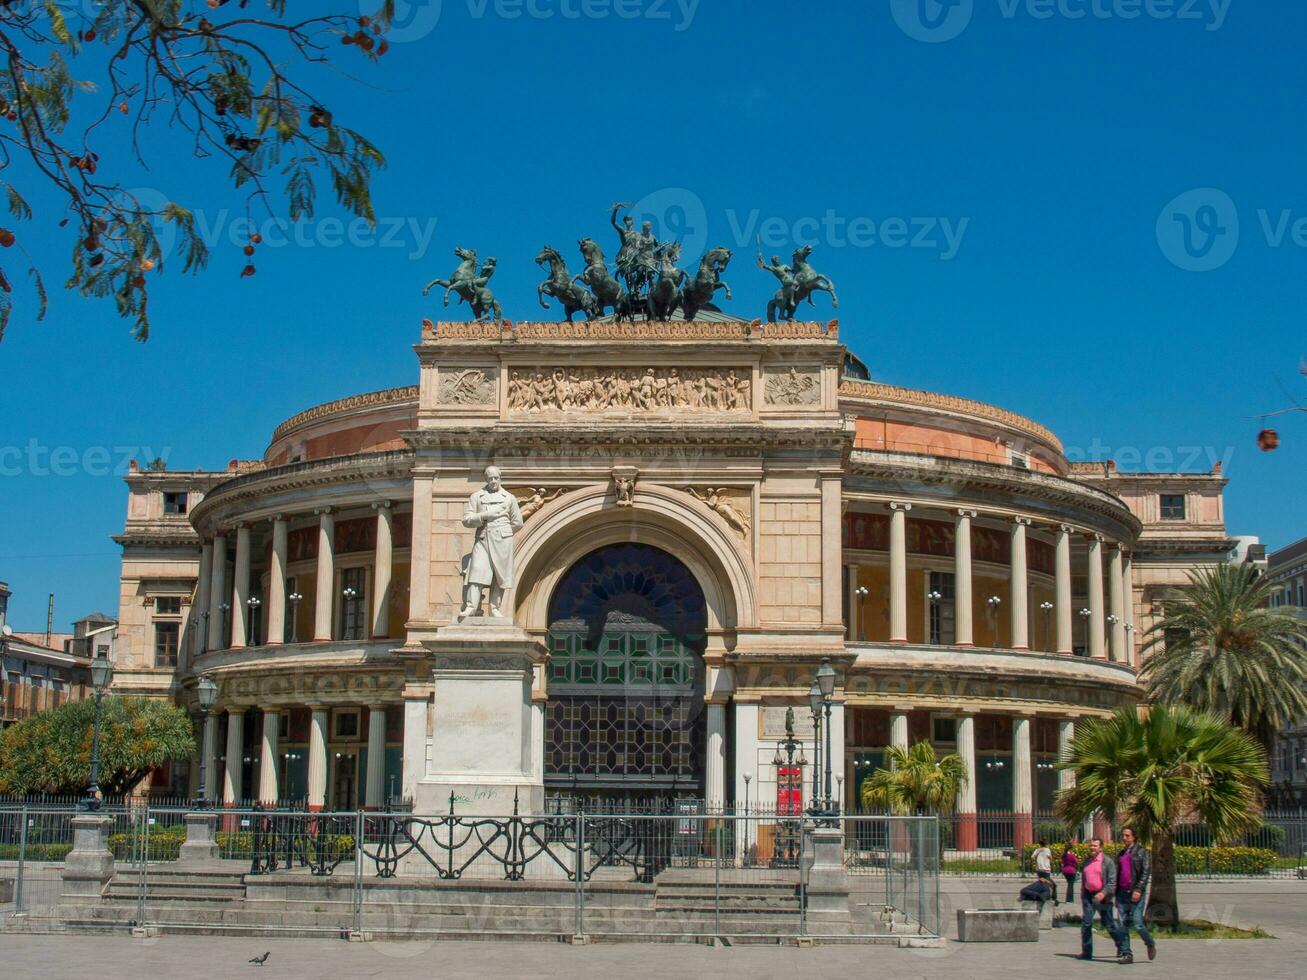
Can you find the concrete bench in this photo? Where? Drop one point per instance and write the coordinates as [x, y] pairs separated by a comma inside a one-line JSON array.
[[1044, 909], [998, 926]]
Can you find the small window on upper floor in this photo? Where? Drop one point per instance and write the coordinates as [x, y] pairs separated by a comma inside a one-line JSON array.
[[174, 503], [1020, 460], [168, 605], [1172, 506]]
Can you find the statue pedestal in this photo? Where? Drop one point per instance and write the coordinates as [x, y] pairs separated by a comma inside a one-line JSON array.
[[89, 865], [482, 747]]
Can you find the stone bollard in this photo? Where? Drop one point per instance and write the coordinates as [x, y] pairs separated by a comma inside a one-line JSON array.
[[89, 865], [828, 879], [201, 842]]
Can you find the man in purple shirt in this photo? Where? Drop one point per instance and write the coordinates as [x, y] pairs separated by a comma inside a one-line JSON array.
[[1134, 872]]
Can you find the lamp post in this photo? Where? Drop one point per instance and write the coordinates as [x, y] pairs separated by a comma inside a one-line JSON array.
[[225, 608], [1046, 607], [204, 632], [294, 600], [825, 683], [349, 593], [1084, 614], [787, 745], [252, 619], [747, 780], [934, 596], [861, 592], [101, 675], [1129, 642], [206, 692]]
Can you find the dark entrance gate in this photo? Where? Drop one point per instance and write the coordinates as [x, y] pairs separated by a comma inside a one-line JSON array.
[[625, 722]]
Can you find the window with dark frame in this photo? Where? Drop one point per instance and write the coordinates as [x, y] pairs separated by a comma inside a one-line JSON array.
[[167, 638], [1172, 506], [168, 605], [174, 502]]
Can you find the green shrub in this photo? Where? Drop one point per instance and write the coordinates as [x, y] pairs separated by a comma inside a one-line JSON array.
[[1190, 860]]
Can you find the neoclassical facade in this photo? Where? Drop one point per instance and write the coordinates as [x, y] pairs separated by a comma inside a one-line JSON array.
[[711, 510]]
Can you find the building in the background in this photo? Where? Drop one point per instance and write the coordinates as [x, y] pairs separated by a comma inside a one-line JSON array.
[[711, 510], [35, 676], [1287, 572]]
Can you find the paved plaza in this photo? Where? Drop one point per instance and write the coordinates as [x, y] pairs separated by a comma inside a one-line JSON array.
[[1278, 906]]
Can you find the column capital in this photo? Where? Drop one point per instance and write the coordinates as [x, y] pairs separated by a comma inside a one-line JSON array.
[[1092, 536], [276, 518], [1065, 529], [898, 505], [1023, 521], [963, 512], [322, 511], [381, 504], [236, 709], [901, 708]]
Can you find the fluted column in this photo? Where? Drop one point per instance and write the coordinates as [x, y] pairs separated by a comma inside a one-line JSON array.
[[898, 726], [269, 792], [210, 750], [240, 589], [1020, 586], [966, 804], [376, 776], [963, 632], [277, 583], [217, 591], [1128, 581], [318, 759], [325, 589], [1116, 596], [1022, 786], [1062, 603], [1066, 731], [231, 779], [381, 573], [196, 628], [898, 572], [715, 762], [1096, 623]]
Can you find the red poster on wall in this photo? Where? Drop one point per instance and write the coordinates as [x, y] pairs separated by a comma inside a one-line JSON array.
[[789, 791]]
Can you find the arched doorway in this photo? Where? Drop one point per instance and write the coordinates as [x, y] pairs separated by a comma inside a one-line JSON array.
[[625, 720]]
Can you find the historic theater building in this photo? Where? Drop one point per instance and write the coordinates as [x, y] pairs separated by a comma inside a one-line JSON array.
[[711, 509]]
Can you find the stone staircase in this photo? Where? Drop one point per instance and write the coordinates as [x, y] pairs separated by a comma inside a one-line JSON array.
[[676, 908]]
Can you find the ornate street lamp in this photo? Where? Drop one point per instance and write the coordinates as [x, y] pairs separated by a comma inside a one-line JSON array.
[[101, 676], [814, 703], [294, 600], [787, 745], [861, 592], [253, 602], [1046, 607], [934, 597], [225, 632], [206, 692], [1084, 614], [825, 682]]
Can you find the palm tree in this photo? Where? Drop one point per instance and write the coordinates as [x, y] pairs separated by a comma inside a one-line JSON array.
[[1221, 649], [1162, 768], [915, 782]]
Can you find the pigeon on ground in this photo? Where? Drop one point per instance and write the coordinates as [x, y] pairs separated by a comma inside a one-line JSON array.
[[260, 960]]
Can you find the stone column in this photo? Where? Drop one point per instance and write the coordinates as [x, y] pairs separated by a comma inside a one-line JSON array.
[[1096, 623], [1020, 586], [209, 747], [381, 570], [1022, 787], [1128, 582], [376, 779], [1116, 594], [1063, 611], [318, 758], [217, 591], [325, 588], [196, 634], [240, 590], [836, 752], [967, 839], [231, 778], [963, 632], [1066, 731], [851, 587], [898, 572], [269, 791], [898, 726], [277, 583], [715, 760]]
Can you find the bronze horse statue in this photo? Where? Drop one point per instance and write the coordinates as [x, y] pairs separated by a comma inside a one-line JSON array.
[[699, 293], [463, 280], [562, 286], [665, 291], [807, 281], [608, 292]]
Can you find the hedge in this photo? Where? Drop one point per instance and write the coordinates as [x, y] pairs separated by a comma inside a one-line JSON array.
[[1188, 860]]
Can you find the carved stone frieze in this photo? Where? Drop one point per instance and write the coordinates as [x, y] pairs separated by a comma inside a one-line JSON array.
[[790, 386], [467, 386], [732, 506], [616, 390], [531, 499]]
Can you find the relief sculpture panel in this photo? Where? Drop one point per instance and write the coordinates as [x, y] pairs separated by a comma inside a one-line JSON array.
[[668, 390]]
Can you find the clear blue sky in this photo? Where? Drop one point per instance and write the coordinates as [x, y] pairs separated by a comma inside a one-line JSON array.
[[1053, 143]]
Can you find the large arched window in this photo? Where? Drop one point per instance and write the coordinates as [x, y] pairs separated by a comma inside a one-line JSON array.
[[626, 676]]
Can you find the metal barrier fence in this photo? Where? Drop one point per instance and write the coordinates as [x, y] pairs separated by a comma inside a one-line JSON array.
[[402, 875]]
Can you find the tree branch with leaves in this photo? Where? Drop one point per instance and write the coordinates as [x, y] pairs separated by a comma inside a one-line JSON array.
[[207, 74]]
